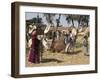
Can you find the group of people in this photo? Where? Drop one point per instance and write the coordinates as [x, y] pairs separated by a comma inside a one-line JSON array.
[[36, 44], [69, 41]]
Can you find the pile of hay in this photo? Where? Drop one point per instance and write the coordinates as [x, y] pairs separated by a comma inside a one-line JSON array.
[[58, 46]]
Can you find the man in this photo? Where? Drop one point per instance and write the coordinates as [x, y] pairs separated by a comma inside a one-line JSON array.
[[85, 45]]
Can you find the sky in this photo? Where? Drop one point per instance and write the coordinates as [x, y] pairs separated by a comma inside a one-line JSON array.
[[63, 22]]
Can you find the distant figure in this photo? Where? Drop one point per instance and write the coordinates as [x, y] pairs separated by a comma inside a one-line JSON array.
[[34, 56], [85, 45], [58, 35], [68, 41], [66, 36]]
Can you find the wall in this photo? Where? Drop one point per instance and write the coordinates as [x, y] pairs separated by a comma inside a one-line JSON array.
[[5, 40]]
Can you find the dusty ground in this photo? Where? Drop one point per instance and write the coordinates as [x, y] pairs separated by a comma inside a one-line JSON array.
[[61, 58], [57, 59]]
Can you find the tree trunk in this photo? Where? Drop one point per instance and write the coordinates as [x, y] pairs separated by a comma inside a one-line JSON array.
[[87, 24], [78, 23], [72, 22]]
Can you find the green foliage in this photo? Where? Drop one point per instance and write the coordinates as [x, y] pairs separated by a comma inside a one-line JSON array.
[[78, 44]]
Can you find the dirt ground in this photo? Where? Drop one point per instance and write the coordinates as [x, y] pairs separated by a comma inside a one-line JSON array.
[[59, 59]]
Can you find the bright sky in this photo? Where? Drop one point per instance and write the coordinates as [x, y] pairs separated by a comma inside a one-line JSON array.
[[30, 15]]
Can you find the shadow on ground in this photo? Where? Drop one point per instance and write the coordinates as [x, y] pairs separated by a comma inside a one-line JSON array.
[[73, 53], [50, 60]]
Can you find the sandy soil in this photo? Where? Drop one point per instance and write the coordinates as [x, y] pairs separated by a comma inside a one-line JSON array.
[[59, 59]]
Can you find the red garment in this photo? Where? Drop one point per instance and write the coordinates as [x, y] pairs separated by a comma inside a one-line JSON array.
[[34, 55]]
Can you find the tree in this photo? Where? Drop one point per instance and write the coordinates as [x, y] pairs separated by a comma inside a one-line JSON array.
[[70, 18], [34, 21], [37, 20], [85, 19], [49, 18], [58, 20]]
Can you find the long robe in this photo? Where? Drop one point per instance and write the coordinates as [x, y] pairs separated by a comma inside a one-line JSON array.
[[34, 55]]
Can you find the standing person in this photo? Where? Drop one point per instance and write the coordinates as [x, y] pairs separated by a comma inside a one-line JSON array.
[[65, 38], [85, 45], [34, 54], [67, 41]]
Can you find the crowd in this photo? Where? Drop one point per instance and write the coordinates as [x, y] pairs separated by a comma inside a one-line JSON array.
[[69, 42]]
